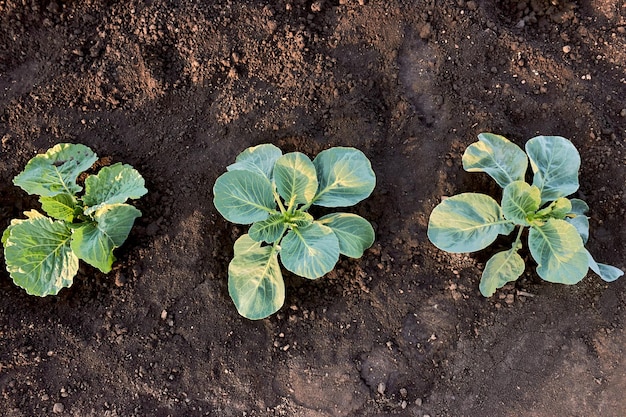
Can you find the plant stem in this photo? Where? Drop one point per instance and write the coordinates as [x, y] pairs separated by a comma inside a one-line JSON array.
[[279, 201], [517, 243]]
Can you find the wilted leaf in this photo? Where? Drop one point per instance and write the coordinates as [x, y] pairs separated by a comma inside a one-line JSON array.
[[55, 172], [38, 255], [94, 242], [503, 267], [113, 185]]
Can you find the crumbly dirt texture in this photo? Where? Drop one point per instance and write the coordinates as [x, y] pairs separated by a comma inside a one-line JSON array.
[[177, 88]]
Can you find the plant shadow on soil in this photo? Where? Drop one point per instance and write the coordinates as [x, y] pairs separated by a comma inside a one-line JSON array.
[[178, 88]]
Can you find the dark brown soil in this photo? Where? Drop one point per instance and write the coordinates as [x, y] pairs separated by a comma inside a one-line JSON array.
[[178, 88]]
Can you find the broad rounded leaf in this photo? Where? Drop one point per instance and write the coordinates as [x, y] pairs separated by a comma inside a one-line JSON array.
[[581, 223], [555, 162], [55, 172], [255, 282], [607, 272], [259, 159], [355, 234], [579, 206], [311, 251], [345, 177], [520, 201], [558, 250], [94, 242], [244, 197], [503, 267], [268, 230], [295, 178], [467, 222], [113, 185], [61, 207], [495, 155], [38, 255]]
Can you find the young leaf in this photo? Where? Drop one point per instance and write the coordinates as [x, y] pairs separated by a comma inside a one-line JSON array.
[[38, 255], [503, 160], [579, 206], [112, 185], [295, 178], [244, 197], [259, 159], [55, 172], [503, 267], [60, 207], [607, 272], [558, 250], [311, 251], [520, 201], [345, 177], [467, 222], [355, 234], [94, 242], [268, 230], [255, 282], [555, 162], [577, 218], [558, 209], [299, 219]]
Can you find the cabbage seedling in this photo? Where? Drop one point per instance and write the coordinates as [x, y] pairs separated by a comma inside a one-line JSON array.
[[42, 252], [274, 192], [558, 226]]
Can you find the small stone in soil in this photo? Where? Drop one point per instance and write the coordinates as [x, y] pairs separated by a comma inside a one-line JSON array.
[[58, 408]]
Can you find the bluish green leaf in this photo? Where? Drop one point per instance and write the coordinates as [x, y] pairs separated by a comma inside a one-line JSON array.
[[259, 159], [60, 207], [503, 160], [345, 177], [579, 206], [607, 272], [255, 282], [113, 185], [94, 242], [558, 250], [244, 197], [38, 255], [268, 230], [311, 251], [520, 201], [295, 178], [503, 267], [355, 234], [467, 223], [55, 172], [555, 163], [577, 218]]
